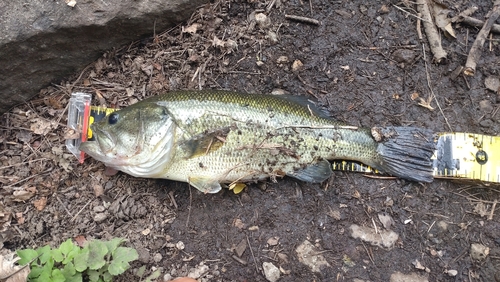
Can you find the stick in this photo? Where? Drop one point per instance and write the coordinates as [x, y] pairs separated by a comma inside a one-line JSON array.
[[478, 23], [466, 13], [302, 19], [475, 50], [431, 32]]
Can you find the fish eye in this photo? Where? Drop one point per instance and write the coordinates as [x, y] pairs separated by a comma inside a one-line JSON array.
[[113, 118]]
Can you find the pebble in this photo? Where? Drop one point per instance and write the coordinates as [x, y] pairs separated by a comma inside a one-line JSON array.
[[412, 277], [403, 56], [157, 257], [309, 256], [382, 238], [262, 20], [271, 272], [99, 208], [180, 245], [485, 106], [273, 37], [297, 65], [486, 123]]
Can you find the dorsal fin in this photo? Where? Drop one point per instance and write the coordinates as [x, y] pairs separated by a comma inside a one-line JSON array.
[[311, 104]]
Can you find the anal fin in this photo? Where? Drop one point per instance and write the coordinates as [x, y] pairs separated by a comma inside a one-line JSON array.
[[205, 184], [313, 173]]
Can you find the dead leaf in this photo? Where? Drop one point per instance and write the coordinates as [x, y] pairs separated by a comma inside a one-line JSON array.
[[217, 42], [80, 240], [386, 220], [8, 267], [40, 203], [241, 247], [71, 134], [20, 218], [22, 195], [191, 29], [98, 190], [273, 241], [442, 20], [238, 223], [42, 126]]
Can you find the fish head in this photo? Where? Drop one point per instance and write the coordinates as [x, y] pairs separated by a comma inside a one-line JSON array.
[[138, 139]]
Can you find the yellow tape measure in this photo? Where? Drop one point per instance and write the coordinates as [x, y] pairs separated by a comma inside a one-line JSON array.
[[458, 155], [467, 155]]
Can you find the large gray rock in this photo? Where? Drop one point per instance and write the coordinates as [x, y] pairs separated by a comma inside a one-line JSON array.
[[42, 41]]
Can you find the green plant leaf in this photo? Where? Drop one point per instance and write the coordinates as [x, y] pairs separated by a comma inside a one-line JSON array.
[[69, 270], [81, 259], [26, 256], [57, 255], [67, 246], [121, 257], [113, 244], [35, 272], [140, 272], [44, 253], [57, 276], [97, 251], [153, 276], [93, 275], [107, 277], [75, 278]]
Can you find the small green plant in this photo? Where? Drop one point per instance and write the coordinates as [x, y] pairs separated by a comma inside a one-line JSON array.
[[96, 261]]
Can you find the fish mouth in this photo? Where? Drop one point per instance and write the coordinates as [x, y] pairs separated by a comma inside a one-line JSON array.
[[104, 139]]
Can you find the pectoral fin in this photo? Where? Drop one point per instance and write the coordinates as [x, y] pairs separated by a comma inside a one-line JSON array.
[[205, 184], [313, 173], [202, 145]]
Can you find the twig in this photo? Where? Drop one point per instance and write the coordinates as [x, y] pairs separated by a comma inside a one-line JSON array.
[[64, 206], [466, 13], [431, 32], [190, 206], [78, 213], [7, 276], [430, 88], [251, 251], [477, 23], [302, 19], [475, 50], [418, 16], [495, 202]]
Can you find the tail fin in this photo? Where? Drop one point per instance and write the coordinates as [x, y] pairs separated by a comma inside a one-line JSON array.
[[405, 152]]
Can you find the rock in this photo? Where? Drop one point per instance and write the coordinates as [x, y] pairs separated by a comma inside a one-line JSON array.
[[492, 83], [271, 272], [262, 20], [308, 255], [403, 56], [412, 277], [44, 41], [479, 251], [384, 238], [486, 106]]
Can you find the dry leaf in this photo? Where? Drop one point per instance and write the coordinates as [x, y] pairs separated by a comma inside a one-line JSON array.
[[42, 126], [191, 29], [98, 190], [217, 42], [238, 223], [8, 267], [20, 218], [40, 203], [80, 240], [386, 220], [22, 195]]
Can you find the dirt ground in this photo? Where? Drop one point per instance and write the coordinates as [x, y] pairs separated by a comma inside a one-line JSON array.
[[364, 62]]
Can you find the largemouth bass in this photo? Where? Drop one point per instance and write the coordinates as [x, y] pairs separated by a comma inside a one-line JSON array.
[[207, 138]]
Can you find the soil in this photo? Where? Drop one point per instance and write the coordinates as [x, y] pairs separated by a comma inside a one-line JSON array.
[[364, 62]]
